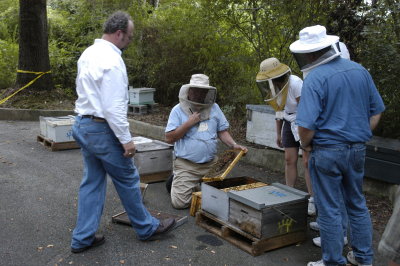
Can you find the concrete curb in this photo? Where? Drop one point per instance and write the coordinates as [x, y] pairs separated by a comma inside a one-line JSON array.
[[30, 115], [267, 158]]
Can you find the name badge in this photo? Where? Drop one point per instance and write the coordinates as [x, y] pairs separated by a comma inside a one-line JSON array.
[[203, 127]]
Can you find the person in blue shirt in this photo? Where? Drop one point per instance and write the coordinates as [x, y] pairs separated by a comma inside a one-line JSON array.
[[194, 126], [339, 107]]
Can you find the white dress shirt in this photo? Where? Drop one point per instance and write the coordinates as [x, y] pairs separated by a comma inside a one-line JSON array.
[[102, 87]]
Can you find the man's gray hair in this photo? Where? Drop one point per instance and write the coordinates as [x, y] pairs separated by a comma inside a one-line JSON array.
[[117, 21]]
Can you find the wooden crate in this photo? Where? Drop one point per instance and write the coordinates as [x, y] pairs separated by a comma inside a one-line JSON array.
[[269, 211], [243, 240]]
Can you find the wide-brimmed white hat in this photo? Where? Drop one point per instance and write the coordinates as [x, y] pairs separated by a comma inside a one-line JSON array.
[[200, 81], [312, 39]]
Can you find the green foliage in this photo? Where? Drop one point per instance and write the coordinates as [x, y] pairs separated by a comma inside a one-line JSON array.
[[380, 54], [225, 39], [9, 20], [63, 58], [8, 63]]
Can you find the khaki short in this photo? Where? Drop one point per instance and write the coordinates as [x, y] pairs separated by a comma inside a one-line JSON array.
[[187, 177]]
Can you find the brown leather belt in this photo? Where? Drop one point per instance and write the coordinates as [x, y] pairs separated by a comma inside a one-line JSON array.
[[95, 118]]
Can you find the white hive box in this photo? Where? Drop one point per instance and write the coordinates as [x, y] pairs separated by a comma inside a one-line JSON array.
[[59, 129], [141, 96], [153, 159], [43, 122], [261, 125], [214, 198]]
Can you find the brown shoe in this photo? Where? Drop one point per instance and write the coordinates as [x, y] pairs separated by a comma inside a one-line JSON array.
[[165, 226], [97, 241]]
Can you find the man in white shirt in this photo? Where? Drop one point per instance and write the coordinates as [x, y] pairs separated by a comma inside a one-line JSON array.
[[102, 131]]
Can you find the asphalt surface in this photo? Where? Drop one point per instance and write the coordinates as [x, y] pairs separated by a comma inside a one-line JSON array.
[[38, 205]]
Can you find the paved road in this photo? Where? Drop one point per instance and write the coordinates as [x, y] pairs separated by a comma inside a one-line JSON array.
[[38, 197]]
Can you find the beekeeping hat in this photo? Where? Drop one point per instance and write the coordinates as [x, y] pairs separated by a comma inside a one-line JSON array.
[[197, 96], [314, 47], [271, 68], [272, 80]]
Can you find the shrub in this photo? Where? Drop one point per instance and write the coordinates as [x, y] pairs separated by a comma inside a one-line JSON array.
[[8, 63]]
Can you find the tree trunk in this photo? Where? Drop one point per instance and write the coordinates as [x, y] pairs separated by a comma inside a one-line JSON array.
[[33, 46]]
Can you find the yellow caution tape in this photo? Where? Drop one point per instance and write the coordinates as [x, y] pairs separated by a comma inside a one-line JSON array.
[[27, 85]]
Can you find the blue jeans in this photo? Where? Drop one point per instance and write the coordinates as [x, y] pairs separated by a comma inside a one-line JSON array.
[[103, 154], [337, 173]]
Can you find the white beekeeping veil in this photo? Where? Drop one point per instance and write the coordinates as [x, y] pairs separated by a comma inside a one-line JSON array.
[[314, 47], [197, 96]]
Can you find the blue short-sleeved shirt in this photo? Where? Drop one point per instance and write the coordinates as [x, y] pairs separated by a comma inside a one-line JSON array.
[[337, 100], [199, 144]]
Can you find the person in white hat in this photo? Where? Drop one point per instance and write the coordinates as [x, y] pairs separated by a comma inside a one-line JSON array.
[[344, 53], [194, 126], [282, 91], [339, 107]]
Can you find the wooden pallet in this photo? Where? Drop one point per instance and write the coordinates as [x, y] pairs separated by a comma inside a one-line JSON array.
[[57, 146], [243, 240], [141, 109]]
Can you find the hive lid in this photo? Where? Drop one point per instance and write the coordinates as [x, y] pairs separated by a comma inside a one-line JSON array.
[[141, 89], [268, 196], [60, 121], [144, 144], [226, 162]]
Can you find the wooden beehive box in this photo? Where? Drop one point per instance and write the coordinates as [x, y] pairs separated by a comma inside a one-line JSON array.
[[268, 211], [215, 187], [215, 198], [153, 159], [60, 129]]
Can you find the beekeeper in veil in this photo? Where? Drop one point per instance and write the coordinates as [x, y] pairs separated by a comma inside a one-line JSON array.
[[194, 126], [198, 97], [282, 90], [340, 106]]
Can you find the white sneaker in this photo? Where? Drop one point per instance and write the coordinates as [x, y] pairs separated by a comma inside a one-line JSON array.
[[317, 241], [316, 263], [352, 259], [311, 211], [314, 226]]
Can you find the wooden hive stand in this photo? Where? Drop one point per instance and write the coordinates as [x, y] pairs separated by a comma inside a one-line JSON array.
[[243, 240], [57, 146]]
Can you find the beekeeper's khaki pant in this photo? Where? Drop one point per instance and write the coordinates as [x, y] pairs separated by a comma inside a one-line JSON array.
[[187, 176]]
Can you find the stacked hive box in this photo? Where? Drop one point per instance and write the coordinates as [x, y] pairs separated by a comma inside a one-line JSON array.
[[153, 159], [141, 100], [252, 215]]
